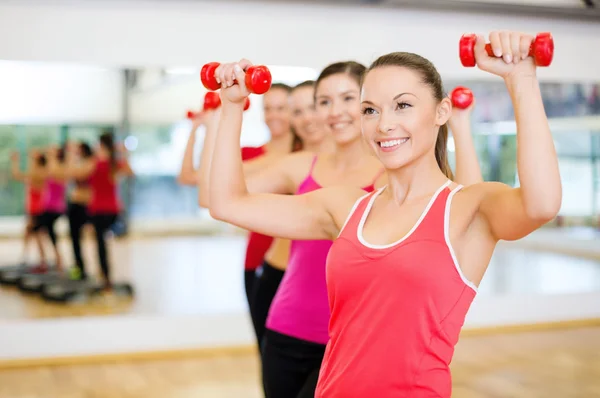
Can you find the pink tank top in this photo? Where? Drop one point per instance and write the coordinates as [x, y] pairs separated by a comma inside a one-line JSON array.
[[300, 307], [54, 197], [396, 309]]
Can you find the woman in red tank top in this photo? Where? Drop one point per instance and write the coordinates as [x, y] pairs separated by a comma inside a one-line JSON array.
[[294, 342], [102, 171], [34, 178], [407, 258]]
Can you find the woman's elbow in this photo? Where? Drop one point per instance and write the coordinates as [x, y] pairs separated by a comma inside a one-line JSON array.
[[203, 201], [218, 213], [546, 209]]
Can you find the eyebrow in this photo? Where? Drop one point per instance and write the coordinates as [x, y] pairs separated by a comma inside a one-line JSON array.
[[344, 93], [393, 99]]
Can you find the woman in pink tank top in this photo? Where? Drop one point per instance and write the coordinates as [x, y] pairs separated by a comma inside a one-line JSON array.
[[407, 259], [297, 325]]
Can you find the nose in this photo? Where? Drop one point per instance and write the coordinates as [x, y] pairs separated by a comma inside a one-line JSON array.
[[386, 123], [336, 108]]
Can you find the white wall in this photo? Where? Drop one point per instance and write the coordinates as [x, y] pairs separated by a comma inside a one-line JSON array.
[[166, 99], [47, 93], [185, 33]]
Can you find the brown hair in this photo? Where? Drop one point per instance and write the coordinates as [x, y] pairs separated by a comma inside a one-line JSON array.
[[107, 140], [350, 68], [281, 86], [431, 77]]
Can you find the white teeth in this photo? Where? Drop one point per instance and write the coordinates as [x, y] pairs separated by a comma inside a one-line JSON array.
[[388, 144], [339, 125]]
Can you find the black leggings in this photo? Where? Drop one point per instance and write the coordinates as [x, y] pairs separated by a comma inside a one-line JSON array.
[[290, 366], [46, 221], [266, 284], [78, 217], [101, 223]]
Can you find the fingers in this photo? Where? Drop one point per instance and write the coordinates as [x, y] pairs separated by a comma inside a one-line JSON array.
[[238, 70], [479, 50], [515, 47], [496, 43], [524, 45], [245, 64], [228, 74], [507, 54], [512, 47]]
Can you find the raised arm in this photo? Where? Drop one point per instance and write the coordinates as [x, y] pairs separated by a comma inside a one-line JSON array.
[[467, 171], [74, 168], [306, 216], [15, 168], [514, 213], [124, 165], [55, 170], [187, 173]]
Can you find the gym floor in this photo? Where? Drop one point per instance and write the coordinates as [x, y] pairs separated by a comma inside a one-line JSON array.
[[557, 363]]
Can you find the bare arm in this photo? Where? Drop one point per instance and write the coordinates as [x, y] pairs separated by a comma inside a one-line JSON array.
[[514, 213], [468, 170], [286, 216], [77, 170], [203, 173], [124, 165], [15, 169], [187, 174]]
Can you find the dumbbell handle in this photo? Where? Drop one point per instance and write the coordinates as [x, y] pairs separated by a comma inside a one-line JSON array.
[[490, 51]]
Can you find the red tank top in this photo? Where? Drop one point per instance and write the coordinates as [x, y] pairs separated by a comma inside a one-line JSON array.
[[105, 199], [35, 203], [258, 244], [396, 310]]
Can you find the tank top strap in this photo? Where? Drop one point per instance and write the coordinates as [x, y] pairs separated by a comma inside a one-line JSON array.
[[312, 165], [434, 223], [350, 227]]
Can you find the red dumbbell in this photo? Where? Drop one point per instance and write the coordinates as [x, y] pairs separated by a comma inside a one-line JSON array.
[[461, 97], [246, 103], [212, 100], [191, 115], [258, 78], [542, 49]]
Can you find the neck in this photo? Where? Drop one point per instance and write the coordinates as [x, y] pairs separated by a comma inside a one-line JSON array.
[[415, 180], [281, 144], [351, 154], [314, 146]]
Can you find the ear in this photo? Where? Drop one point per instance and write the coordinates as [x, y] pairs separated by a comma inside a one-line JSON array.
[[444, 111]]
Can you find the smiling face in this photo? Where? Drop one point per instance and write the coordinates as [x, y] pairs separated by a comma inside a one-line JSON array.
[[338, 107], [401, 116], [304, 117]]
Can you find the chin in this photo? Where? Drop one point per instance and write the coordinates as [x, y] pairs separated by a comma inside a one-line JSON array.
[[392, 160], [343, 138]]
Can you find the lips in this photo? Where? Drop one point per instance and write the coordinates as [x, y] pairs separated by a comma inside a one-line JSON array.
[[392, 144], [339, 126]]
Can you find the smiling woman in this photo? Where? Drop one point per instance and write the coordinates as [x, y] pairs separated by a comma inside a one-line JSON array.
[[420, 217], [398, 115]]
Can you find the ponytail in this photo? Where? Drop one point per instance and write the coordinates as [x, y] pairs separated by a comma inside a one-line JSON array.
[[441, 152], [107, 140]]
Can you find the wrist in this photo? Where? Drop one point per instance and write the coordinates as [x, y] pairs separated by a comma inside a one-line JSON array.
[[515, 83], [232, 106]]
